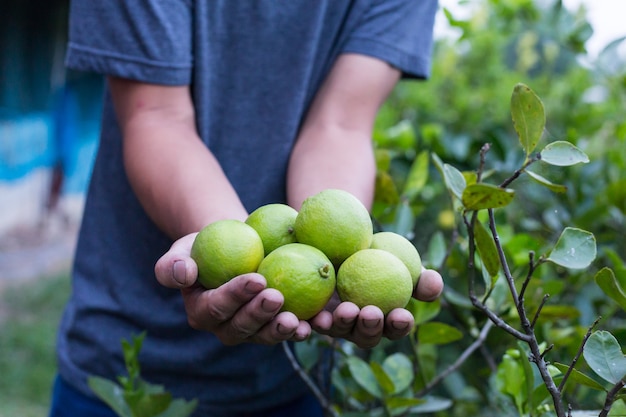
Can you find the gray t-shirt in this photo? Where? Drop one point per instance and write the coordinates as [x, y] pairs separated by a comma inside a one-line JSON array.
[[253, 67]]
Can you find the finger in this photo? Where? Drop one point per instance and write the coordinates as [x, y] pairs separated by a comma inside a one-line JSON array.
[[322, 322], [285, 326], [176, 269], [369, 327], [398, 323], [207, 309], [344, 319], [429, 287], [255, 315]]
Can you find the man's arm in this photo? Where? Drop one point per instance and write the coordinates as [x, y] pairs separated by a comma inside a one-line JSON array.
[[183, 188], [334, 147], [334, 150], [171, 171]]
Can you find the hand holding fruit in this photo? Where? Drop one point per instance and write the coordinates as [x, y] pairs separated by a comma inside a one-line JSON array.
[[374, 274], [242, 310]]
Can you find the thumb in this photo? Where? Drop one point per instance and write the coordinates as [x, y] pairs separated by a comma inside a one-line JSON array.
[[176, 268]]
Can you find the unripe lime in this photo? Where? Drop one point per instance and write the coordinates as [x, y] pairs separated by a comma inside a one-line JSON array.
[[303, 274], [401, 247], [375, 277], [275, 225], [335, 222], [225, 249]]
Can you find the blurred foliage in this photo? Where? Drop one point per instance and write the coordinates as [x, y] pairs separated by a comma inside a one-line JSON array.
[[466, 104], [29, 316]]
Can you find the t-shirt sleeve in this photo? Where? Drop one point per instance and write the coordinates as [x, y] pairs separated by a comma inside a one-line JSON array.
[[147, 40], [399, 32]]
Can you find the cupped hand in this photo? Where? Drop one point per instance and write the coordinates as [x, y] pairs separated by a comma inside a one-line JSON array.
[[242, 310], [366, 326]]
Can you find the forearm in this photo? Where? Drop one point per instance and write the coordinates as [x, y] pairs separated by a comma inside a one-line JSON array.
[[176, 179], [329, 156], [334, 147]]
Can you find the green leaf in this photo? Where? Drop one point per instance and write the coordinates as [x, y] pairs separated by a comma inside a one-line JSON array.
[[403, 402], [400, 369], [385, 189], [604, 356], [417, 176], [436, 251], [404, 219], [487, 250], [452, 177], [423, 312], [307, 353], [364, 376], [486, 196], [528, 115], [575, 249], [579, 377], [558, 312], [111, 393], [557, 188], [402, 135], [511, 379], [180, 408], [384, 381], [562, 153], [605, 278], [143, 404], [431, 404], [438, 333]]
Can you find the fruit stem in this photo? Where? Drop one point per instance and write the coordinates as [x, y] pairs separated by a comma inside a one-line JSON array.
[[324, 271]]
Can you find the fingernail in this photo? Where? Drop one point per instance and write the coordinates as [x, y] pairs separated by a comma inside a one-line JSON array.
[[370, 324], [254, 287], [270, 306], [282, 330], [399, 325], [179, 272]]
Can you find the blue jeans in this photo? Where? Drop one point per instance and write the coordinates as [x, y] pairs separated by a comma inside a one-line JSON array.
[[69, 402]]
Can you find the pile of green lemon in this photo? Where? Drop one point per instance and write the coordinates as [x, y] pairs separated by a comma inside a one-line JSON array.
[[328, 245]]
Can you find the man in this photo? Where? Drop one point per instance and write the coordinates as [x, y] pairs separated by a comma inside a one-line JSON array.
[[214, 108]]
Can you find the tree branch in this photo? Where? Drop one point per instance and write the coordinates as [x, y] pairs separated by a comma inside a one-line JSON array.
[[519, 172], [611, 396], [482, 336], [324, 402], [578, 354]]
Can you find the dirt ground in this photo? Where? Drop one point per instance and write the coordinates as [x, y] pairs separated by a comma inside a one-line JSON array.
[[29, 253]]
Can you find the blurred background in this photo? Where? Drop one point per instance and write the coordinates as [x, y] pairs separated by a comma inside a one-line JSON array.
[[49, 122]]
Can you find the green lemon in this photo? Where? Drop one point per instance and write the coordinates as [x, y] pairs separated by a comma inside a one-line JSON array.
[[335, 222], [303, 274], [225, 249], [402, 248], [275, 225], [375, 277]]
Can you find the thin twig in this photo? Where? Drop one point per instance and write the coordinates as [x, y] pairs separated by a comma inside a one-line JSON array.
[[542, 366], [326, 405], [519, 172], [611, 396], [498, 321], [529, 275], [482, 336], [571, 367], [529, 334], [481, 167], [548, 349], [538, 312]]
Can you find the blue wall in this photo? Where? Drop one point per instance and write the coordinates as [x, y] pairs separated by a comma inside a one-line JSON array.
[[49, 117]]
